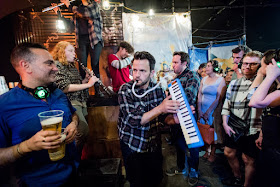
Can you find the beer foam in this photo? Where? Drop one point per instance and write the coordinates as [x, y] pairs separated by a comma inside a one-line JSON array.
[[51, 121]]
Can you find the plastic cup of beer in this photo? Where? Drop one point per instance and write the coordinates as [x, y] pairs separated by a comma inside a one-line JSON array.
[[62, 139], [52, 121]]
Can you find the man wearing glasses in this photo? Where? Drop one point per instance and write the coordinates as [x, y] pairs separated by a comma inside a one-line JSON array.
[[242, 123]]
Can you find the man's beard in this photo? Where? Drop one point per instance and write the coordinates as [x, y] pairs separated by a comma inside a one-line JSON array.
[[144, 82]]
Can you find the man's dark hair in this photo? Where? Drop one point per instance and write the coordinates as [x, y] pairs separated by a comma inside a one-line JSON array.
[[270, 54], [144, 55], [237, 50], [230, 70], [127, 46], [22, 51], [245, 49], [184, 56], [203, 65]]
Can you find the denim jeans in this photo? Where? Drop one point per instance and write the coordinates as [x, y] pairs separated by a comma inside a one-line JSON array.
[[85, 49], [193, 160], [181, 148]]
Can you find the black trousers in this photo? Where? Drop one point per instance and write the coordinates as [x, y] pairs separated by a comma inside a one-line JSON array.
[[85, 49], [142, 169], [268, 166]]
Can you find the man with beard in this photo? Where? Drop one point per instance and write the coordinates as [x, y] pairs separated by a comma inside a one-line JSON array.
[[242, 123], [119, 65], [237, 55], [190, 82], [138, 124], [22, 140]]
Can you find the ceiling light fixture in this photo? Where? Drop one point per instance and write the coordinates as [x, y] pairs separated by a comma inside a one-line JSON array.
[[106, 5], [60, 26], [151, 12]]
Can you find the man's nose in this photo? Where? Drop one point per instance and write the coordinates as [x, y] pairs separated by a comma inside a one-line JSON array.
[[54, 67], [137, 73]]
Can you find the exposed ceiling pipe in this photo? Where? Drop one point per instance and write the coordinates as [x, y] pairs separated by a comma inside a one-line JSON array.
[[212, 17], [231, 7]]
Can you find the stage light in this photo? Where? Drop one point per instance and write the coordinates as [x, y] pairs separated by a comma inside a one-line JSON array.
[[106, 5]]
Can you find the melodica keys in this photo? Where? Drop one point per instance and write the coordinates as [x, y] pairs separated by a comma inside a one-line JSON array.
[[186, 118]]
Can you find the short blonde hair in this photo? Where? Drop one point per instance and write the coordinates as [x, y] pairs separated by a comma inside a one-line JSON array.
[[254, 54], [58, 52]]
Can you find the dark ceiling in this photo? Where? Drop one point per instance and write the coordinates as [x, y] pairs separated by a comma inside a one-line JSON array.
[[212, 20]]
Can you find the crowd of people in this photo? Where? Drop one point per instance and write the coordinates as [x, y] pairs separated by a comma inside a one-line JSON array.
[[232, 107], [249, 102]]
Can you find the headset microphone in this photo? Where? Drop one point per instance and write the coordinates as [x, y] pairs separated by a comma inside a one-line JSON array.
[[40, 92], [276, 58], [216, 69]]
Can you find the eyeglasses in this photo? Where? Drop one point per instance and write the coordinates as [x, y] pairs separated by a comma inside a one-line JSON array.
[[245, 64]]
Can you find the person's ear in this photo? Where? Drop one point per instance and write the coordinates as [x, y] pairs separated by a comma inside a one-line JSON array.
[[25, 65], [152, 73]]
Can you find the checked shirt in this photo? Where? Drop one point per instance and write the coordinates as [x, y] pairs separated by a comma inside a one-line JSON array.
[[190, 82], [139, 138], [237, 99], [95, 24]]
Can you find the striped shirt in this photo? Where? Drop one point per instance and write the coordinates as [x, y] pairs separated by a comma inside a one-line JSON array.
[[139, 138], [237, 99], [91, 13]]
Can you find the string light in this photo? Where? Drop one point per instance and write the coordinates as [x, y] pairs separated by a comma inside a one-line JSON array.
[[151, 12]]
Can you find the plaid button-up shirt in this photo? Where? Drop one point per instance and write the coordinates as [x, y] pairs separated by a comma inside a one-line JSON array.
[[190, 82], [139, 138], [90, 12], [237, 99]]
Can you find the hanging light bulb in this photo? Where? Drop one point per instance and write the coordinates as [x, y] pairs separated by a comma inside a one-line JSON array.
[[106, 5], [151, 12], [60, 26]]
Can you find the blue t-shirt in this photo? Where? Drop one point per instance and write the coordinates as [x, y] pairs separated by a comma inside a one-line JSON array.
[[19, 121]]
